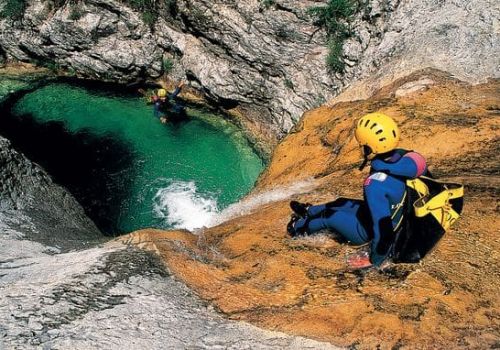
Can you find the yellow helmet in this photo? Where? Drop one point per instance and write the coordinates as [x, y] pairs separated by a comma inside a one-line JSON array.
[[162, 92], [377, 133]]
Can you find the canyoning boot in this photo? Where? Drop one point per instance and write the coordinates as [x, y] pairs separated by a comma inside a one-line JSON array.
[[300, 208], [290, 228], [293, 230]]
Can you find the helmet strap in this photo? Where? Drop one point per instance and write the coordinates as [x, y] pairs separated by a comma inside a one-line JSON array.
[[362, 166], [366, 152]]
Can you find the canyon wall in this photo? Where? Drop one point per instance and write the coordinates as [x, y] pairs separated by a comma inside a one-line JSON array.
[[262, 60]]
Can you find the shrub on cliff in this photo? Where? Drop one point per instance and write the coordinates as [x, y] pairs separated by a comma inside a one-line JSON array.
[[168, 65], [334, 18], [76, 12], [13, 9], [151, 9]]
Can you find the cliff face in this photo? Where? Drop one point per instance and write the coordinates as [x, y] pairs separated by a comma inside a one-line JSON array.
[[264, 63], [249, 269], [32, 205]]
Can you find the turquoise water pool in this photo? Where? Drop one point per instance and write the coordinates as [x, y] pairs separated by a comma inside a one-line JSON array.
[[127, 169]]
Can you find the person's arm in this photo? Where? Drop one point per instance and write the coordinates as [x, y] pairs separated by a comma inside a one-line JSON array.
[[177, 90], [379, 207], [411, 165]]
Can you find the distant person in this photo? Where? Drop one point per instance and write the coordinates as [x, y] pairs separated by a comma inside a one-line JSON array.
[[166, 106], [378, 217]]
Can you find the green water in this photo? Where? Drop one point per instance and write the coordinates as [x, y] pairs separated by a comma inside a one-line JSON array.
[[174, 175]]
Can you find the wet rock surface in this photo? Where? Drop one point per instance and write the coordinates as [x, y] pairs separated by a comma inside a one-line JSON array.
[[249, 269], [113, 297]]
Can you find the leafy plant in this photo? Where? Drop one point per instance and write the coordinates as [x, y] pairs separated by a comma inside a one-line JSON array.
[[267, 3], [333, 59], [168, 65], [149, 18], [289, 84], [71, 72], [13, 9], [148, 8], [151, 9], [76, 13], [54, 67], [334, 18]]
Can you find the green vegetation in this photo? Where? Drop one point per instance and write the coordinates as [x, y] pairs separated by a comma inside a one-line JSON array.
[[289, 84], [149, 18], [334, 18], [50, 65], [334, 60], [53, 66], [148, 8], [168, 65], [76, 13], [13, 9], [267, 3]]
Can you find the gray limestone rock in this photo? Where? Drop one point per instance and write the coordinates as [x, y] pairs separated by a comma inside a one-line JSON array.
[[267, 60], [112, 297], [41, 210]]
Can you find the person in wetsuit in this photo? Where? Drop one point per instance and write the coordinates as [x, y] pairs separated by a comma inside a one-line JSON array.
[[378, 217], [167, 104]]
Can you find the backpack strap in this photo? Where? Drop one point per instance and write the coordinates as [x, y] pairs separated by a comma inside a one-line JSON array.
[[445, 206]]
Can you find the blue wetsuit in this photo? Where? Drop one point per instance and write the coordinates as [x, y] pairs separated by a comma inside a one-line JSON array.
[[379, 215], [168, 104]]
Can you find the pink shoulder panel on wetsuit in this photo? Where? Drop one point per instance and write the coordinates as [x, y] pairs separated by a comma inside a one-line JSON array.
[[419, 162], [367, 181]]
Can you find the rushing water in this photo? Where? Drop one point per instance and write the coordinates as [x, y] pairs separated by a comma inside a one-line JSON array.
[[127, 169]]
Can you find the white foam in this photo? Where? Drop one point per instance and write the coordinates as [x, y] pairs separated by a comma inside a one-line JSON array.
[[181, 206]]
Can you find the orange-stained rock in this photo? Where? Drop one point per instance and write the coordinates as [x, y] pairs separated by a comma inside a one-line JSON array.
[[249, 269]]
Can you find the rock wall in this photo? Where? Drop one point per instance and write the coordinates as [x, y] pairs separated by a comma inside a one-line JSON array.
[[459, 37], [38, 209], [265, 63]]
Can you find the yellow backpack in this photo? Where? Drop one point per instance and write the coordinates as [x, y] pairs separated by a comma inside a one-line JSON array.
[[445, 206], [431, 208]]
